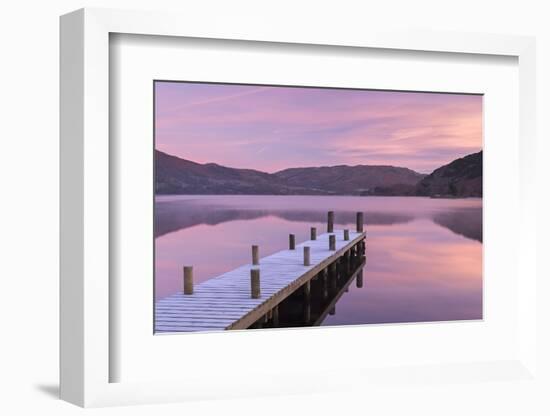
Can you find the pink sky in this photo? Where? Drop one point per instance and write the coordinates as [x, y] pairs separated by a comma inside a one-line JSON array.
[[273, 128]]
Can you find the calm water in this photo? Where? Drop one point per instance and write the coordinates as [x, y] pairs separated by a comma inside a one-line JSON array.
[[423, 256]]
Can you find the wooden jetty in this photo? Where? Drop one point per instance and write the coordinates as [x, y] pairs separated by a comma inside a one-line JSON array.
[[252, 293]]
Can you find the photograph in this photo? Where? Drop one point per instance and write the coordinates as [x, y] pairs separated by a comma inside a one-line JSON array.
[[282, 206]]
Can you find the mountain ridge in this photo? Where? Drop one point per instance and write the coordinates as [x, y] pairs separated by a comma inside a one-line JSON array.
[[175, 175], [463, 177]]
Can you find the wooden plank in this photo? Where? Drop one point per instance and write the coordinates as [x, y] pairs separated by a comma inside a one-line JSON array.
[[200, 312], [221, 323]]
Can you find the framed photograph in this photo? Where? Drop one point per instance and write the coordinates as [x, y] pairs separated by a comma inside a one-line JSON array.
[[233, 199], [280, 171]]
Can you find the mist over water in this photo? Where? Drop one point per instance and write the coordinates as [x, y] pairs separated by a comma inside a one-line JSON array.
[[423, 256]]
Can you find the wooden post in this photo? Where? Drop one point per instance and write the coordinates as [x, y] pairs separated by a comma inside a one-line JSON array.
[[338, 267], [359, 281], [291, 242], [187, 280], [333, 276], [341, 266], [359, 222], [255, 283], [332, 311], [332, 242], [307, 256], [331, 271], [330, 222], [255, 255], [313, 235], [276, 315], [325, 283], [307, 302], [346, 235], [307, 289], [307, 312]]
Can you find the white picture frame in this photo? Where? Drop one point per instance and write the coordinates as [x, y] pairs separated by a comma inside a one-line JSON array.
[[86, 222]]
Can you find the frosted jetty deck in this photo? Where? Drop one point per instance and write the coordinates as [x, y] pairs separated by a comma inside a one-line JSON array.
[[232, 301]]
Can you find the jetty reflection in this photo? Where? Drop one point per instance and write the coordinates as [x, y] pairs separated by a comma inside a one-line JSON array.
[[310, 309]]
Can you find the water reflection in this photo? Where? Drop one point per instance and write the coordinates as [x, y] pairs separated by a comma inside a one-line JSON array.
[[173, 214], [423, 263], [176, 216], [464, 221], [311, 306]]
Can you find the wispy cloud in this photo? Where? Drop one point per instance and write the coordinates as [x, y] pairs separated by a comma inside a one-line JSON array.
[[272, 128]]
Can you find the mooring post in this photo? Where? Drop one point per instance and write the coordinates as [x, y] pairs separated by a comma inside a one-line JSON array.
[[359, 222], [187, 280], [346, 235], [255, 255], [291, 242], [330, 222], [332, 242], [313, 235], [255, 283], [307, 256]]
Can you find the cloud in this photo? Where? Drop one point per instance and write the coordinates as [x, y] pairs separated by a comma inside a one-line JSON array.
[[231, 124]]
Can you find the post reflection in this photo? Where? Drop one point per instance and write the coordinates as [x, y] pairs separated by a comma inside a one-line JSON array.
[[313, 302]]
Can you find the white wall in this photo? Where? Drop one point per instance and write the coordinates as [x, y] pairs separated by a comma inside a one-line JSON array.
[[29, 209]]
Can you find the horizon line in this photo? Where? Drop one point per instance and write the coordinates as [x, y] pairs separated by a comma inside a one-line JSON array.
[[311, 167]]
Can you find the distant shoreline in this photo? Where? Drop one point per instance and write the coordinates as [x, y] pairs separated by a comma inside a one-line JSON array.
[[331, 196]]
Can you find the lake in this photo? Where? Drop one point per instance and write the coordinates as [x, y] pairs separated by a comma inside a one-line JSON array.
[[423, 255]]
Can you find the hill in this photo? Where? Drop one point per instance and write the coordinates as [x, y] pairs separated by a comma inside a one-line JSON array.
[[461, 178], [349, 180], [174, 175]]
